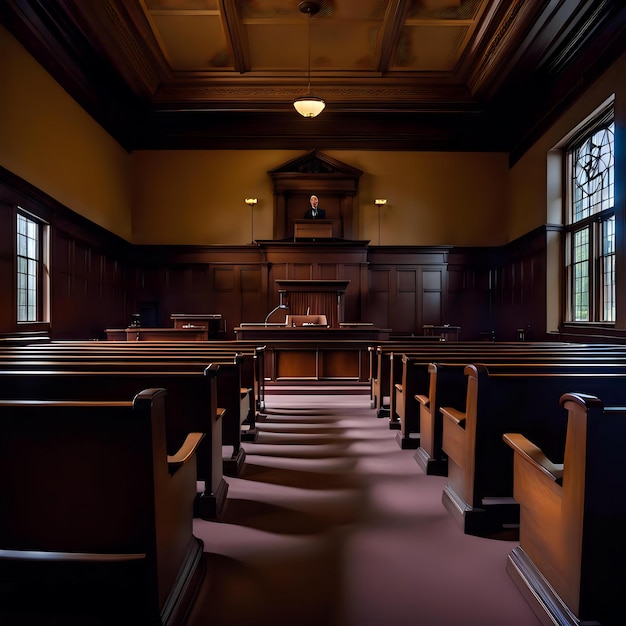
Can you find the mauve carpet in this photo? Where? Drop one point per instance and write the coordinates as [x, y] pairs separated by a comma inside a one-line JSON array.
[[331, 523]]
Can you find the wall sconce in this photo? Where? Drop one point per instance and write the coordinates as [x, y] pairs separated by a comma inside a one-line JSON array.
[[251, 202], [379, 202]]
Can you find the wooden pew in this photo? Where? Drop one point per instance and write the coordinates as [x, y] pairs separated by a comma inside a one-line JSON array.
[[233, 393], [413, 379], [501, 399], [381, 374], [569, 564], [419, 411], [192, 402], [390, 359], [24, 338], [231, 396], [96, 516], [253, 369], [415, 389]]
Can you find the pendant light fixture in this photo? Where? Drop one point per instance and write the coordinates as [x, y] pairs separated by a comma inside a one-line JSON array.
[[309, 105]]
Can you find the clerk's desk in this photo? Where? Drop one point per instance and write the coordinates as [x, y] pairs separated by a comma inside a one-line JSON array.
[[143, 333], [314, 352]]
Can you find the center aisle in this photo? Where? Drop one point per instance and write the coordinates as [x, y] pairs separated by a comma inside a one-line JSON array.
[[331, 523]]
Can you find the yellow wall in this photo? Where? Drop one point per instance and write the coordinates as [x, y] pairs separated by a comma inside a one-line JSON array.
[[536, 181], [48, 140], [196, 197], [532, 192]]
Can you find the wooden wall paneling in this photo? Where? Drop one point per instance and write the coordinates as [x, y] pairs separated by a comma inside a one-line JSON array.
[[276, 271], [144, 296], [89, 289], [113, 302], [61, 267], [328, 271], [404, 314], [414, 295], [171, 289], [302, 271], [280, 216], [469, 296], [77, 249], [105, 294], [83, 273], [97, 279], [347, 216], [296, 364], [199, 298], [172, 295], [235, 292], [519, 273], [354, 300], [224, 291], [340, 364], [457, 287], [379, 297], [253, 296], [432, 284]]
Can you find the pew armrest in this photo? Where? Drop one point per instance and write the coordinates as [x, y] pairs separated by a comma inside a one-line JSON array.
[[454, 415], [423, 400], [185, 452], [534, 455]]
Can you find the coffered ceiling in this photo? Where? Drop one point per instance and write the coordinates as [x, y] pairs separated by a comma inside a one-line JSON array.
[[395, 74]]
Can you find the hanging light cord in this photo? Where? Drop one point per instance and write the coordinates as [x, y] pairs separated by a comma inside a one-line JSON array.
[[309, 50]]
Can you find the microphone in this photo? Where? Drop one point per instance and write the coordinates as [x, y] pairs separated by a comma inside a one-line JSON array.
[[308, 310]]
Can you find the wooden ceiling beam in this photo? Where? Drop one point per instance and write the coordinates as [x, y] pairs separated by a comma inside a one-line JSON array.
[[236, 35]]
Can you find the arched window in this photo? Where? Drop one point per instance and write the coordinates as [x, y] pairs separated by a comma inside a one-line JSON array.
[[590, 222]]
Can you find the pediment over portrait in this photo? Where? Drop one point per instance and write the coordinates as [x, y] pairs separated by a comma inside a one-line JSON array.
[[335, 183]]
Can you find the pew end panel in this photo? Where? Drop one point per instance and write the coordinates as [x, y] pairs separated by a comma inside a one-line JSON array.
[[479, 491], [395, 379], [569, 564], [97, 519], [381, 384], [413, 380], [446, 387]]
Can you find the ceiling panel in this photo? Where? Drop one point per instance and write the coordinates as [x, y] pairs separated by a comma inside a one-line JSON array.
[[395, 74], [192, 42], [430, 48]]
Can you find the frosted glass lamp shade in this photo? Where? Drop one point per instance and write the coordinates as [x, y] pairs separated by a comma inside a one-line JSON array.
[[309, 106]]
